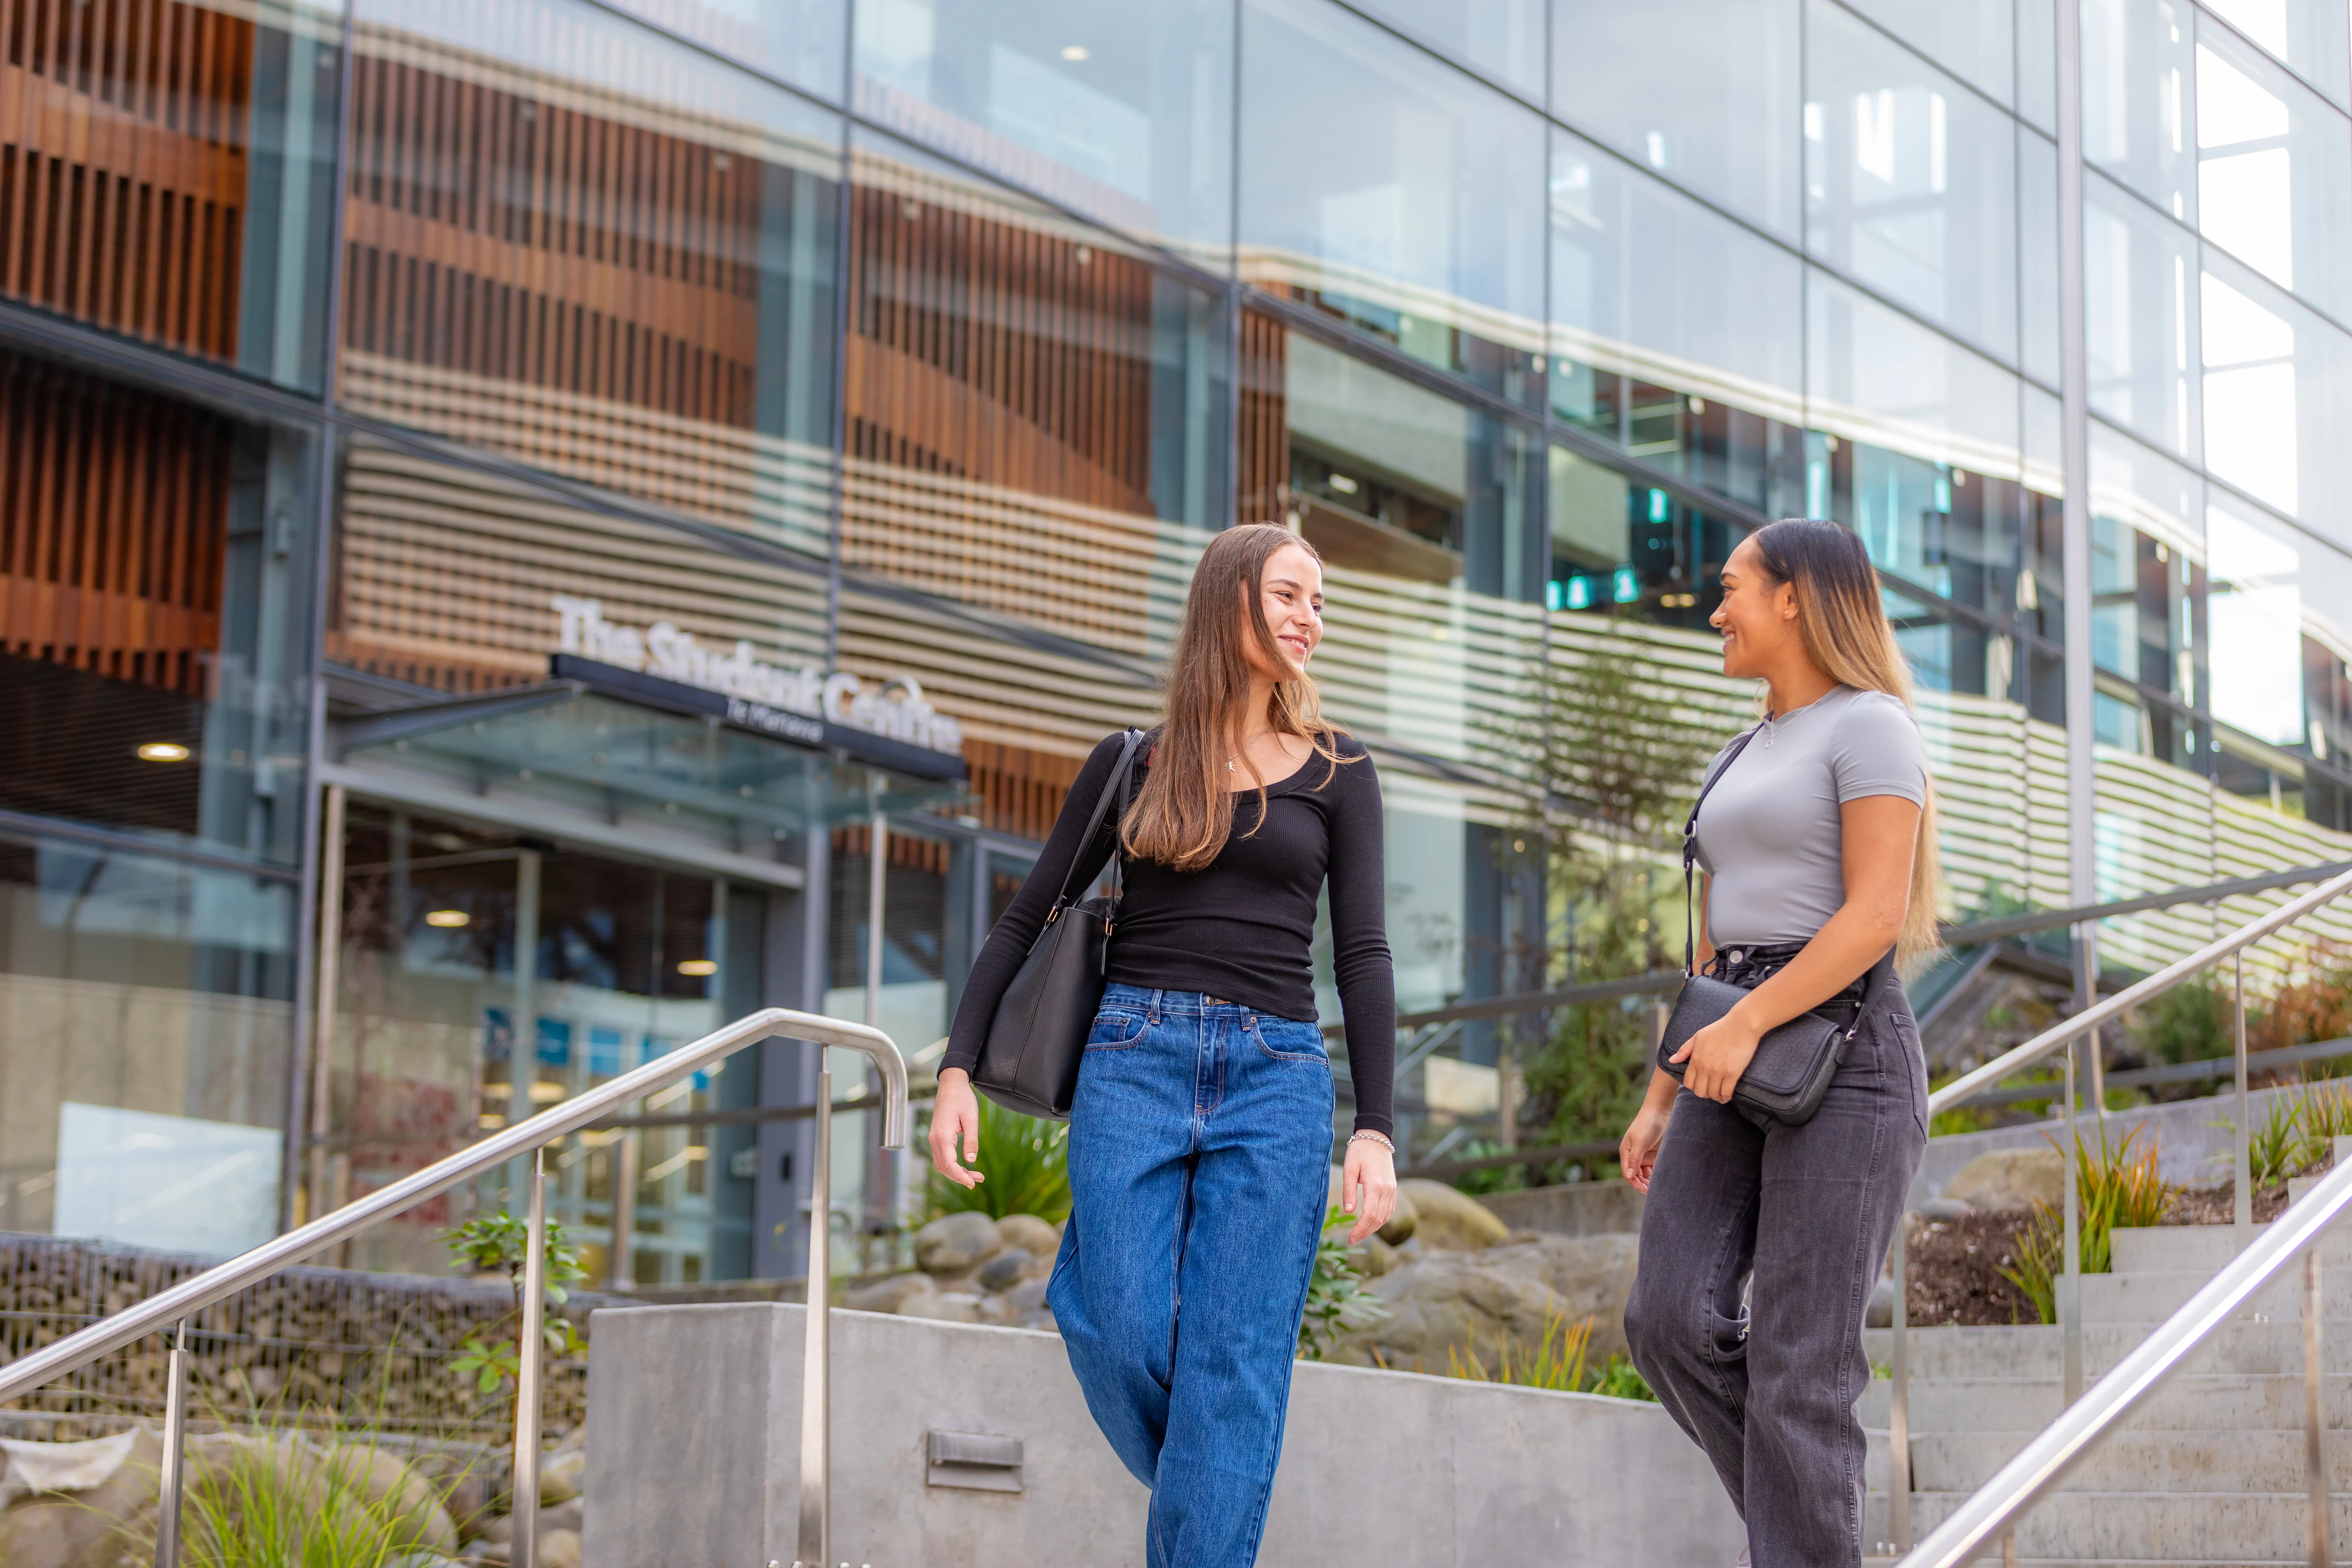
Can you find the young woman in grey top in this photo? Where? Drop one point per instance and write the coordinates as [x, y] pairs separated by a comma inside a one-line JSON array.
[[1760, 1242]]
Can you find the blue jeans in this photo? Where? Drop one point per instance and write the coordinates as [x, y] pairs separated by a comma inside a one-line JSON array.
[[1200, 1147]]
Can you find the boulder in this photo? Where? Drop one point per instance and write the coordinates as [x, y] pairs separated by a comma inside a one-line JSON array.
[[1446, 1302], [61, 1504], [1008, 1269], [944, 1306], [386, 1479], [1945, 1209], [1029, 1234], [956, 1243], [2009, 1179], [890, 1295], [559, 1548], [1028, 1296], [561, 1474], [1450, 1220], [1040, 1318]]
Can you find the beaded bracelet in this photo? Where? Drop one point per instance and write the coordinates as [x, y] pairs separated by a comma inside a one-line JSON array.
[[1380, 1137]]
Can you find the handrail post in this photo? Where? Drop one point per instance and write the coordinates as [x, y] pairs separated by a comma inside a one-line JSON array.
[[2314, 1432], [524, 1551], [816, 1393], [2070, 1280], [1898, 1405], [2243, 1204], [173, 1480], [623, 1270]]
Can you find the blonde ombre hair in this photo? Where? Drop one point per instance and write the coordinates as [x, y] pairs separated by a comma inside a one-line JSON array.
[[1843, 624], [1184, 813]]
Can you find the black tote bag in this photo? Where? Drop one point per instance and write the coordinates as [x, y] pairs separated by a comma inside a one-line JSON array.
[[1029, 1062]]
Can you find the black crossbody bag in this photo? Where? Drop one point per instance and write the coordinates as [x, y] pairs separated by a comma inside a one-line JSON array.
[[1794, 1062], [1029, 1062]]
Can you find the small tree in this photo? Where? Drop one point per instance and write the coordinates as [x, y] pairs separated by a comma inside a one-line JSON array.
[[1609, 763], [500, 1243]]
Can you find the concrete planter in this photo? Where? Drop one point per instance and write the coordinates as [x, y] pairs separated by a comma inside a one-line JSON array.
[[693, 1454]]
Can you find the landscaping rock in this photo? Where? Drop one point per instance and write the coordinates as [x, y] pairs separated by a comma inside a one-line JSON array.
[[1040, 1319], [560, 1475], [1403, 1223], [1880, 1311], [559, 1548], [1450, 1220], [62, 1503], [945, 1306], [1454, 1302], [1030, 1234], [1945, 1209], [387, 1479], [955, 1243], [1008, 1269], [2009, 1179], [890, 1295], [1026, 1297]]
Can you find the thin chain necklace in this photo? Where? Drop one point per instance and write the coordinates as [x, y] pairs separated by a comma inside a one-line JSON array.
[[1237, 755], [1773, 721]]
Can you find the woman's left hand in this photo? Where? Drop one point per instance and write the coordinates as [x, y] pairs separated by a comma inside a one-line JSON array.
[[1371, 1168], [1717, 1055]]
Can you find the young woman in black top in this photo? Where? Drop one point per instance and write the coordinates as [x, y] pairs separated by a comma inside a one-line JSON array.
[[1201, 1134]]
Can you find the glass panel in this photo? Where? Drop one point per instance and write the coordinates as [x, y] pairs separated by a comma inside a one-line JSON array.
[[1625, 549], [1702, 90], [1910, 179], [1649, 287], [1406, 200], [2037, 64], [2141, 317], [1123, 114], [2147, 565], [2278, 393], [2256, 611], [1876, 376], [1006, 363], [1970, 38], [2138, 97], [1503, 38], [2037, 257], [143, 1067], [2308, 35], [798, 41], [2273, 172], [521, 278], [176, 184], [151, 659]]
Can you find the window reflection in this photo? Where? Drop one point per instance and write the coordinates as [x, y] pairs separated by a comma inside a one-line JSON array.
[[1121, 112], [2037, 257], [2138, 96], [1404, 201], [2308, 35], [2250, 394], [2141, 300], [2273, 170], [1704, 91], [1878, 378], [1973, 38], [1502, 38], [796, 40], [1910, 179], [2256, 613]]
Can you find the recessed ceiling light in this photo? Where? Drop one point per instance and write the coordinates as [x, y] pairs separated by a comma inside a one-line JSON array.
[[163, 751], [698, 966], [1343, 484], [449, 919], [1074, 51]]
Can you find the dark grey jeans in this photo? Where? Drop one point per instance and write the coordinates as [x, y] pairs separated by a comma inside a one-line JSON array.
[[1808, 1212]]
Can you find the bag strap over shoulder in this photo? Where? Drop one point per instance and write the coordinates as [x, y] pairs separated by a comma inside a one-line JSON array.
[[1690, 850], [1113, 789]]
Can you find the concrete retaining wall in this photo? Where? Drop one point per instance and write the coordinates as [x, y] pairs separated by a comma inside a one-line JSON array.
[[693, 1456]]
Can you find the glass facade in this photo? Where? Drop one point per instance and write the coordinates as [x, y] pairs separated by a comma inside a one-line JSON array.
[[682, 485]]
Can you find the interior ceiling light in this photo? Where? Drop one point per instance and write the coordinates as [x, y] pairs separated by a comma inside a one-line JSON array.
[[698, 966], [449, 919], [1074, 51], [163, 751]]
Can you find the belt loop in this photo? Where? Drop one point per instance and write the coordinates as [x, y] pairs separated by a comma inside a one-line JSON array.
[[1156, 995]]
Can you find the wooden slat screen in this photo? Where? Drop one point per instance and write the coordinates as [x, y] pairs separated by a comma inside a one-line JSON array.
[[113, 527], [123, 165], [1262, 476]]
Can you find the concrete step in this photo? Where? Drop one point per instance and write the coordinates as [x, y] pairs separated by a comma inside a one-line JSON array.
[[2172, 1527], [2186, 1402], [2039, 1351], [2182, 1459], [2150, 1297], [2168, 1249]]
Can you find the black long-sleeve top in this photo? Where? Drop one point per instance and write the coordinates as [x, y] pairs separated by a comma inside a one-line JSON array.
[[1243, 926]]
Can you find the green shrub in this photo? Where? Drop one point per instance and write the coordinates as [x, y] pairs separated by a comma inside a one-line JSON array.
[[1556, 1363], [2192, 1022], [1619, 1379], [2113, 1188], [1337, 1301], [1025, 1164]]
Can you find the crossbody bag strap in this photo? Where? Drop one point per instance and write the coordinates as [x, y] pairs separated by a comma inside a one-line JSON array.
[[1110, 792], [1690, 851]]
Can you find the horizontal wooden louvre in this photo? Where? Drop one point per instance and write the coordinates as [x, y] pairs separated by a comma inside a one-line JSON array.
[[1020, 790], [535, 243], [113, 527], [123, 165]]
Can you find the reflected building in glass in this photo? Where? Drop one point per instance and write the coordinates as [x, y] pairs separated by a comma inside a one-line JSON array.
[[527, 530]]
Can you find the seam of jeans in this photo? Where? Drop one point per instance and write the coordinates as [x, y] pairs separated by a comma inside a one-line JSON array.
[[1282, 1419], [1724, 1244], [1126, 1044], [1863, 1276]]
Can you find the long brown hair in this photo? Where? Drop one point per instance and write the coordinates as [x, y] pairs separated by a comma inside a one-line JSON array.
[[1843, 623], [1184, 813]]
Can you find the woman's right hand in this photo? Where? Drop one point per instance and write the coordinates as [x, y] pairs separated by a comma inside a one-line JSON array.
[[1637, 1154], [955, 1125]]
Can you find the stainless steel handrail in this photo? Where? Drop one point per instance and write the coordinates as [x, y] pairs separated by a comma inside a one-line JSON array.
[[193, 1295], [2064, 1035], [2045, 1461]]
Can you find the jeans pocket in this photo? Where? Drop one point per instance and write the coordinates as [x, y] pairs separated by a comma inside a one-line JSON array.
[[1903, 1040], [1115, 1029], [1287, 1039]]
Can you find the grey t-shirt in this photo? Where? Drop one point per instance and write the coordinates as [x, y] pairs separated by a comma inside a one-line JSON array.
[[1769, 835]]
